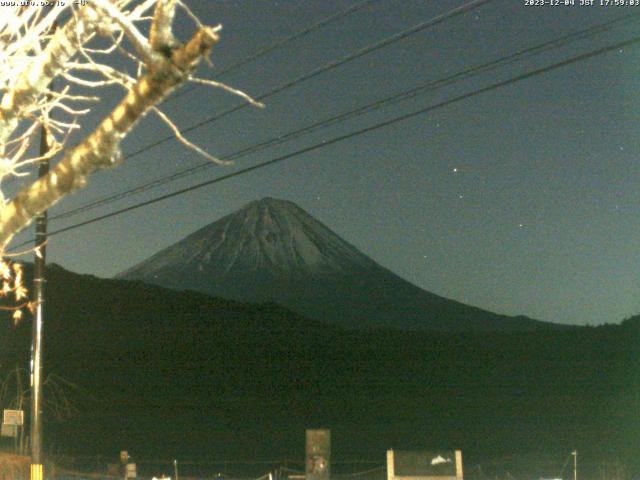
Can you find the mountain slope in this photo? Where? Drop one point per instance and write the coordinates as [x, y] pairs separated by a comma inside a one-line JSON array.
[[272, 250], [184, 375]]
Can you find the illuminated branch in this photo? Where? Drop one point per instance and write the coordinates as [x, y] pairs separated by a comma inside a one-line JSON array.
[[32, 56], [39, 73], [161, 36], [101, 148]]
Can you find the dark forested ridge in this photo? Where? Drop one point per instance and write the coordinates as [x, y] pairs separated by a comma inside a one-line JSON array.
[[181, 373], [273, 250]]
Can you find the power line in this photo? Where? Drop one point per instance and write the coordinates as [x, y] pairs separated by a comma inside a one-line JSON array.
[[362, 131], [469, 6], [334, 64], [281, 43], [405, 95], [473, 4], [295, 36], [262, 52]]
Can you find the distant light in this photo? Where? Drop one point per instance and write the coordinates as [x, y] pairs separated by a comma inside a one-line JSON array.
[[455, 170]]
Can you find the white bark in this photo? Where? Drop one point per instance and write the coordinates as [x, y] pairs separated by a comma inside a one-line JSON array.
[[167, 65]]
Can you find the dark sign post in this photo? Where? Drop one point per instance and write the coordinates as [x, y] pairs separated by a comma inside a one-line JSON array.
[[318, 454]]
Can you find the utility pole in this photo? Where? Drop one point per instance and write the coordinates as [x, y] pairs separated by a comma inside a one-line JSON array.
[[575, 464], [39, 283], [39, 280]]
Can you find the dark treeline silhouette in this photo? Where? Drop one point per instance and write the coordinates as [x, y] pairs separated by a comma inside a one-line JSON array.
[[183, 374]]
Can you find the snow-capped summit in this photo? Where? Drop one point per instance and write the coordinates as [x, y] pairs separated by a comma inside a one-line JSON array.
[[268, 237], [272, 250], [277, 236]]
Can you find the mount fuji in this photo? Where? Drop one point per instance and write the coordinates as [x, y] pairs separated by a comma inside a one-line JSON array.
[[271, 250]]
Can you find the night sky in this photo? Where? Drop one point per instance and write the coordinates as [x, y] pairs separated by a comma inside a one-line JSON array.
[[521, 200]]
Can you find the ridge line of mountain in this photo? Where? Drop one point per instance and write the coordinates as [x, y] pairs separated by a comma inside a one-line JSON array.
[[273, 250]]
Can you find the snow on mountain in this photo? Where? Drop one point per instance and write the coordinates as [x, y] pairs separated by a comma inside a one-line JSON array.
[[272, 250], [268, 236]]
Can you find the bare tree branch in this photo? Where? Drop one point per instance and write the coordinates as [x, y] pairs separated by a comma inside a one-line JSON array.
[[101, 148], [32, 56], [42, 69]]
